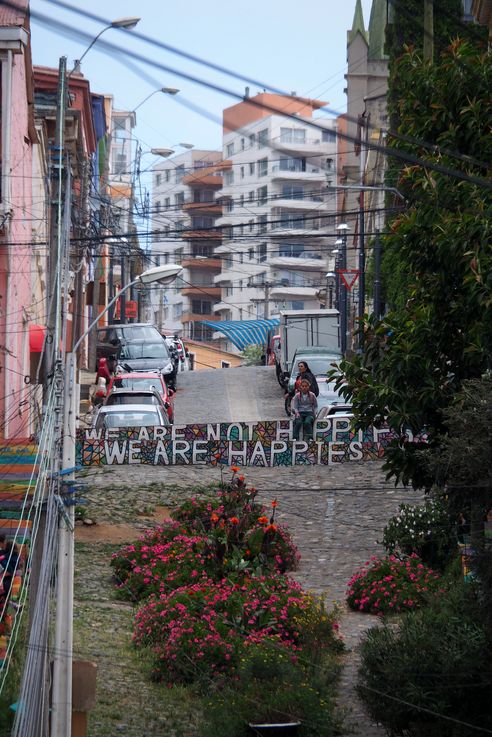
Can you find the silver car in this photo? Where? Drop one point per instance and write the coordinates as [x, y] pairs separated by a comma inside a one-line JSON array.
[[130, 415]]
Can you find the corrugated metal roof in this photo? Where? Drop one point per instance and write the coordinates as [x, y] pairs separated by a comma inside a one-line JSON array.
[[14, 16]]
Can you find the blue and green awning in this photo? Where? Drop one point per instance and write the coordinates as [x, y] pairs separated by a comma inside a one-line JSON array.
[[245, 332]]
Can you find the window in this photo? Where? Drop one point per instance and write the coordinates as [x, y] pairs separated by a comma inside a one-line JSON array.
[[289, 163], [120, 164], [168, 175], [201, 307], [158, 178], [251, 225], [292, 135], [226, 364], [157, 261], [157, 206], [201, 249], [262, 167], [200, 221], [262, 252], [167, 230], [262, 193], [329, 164], [203, 195], [228, 177], [241, 258], [177, 310], [263, 138], [180, 225], [297, 305], [251, 196], [292, 192], [167, 202], [119, 129], [262, 223], [293, 250], [227, 261], [240, 285], [241, 200], [252, 139], [179, 172], [227, 232], [179, 198], [202, 332], [241, 229], [243, 145], [328, 136], [230, 204], [230, 149], [251, 167], [228, 290], [241, 172], [251, 253], [291, 220]]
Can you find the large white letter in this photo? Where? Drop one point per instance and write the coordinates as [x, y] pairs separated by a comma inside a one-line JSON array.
[[199, 447], [114, 451], [298, 446], [241, 455], [278, 446]]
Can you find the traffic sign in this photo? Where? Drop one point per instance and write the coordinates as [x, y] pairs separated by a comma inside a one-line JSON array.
[[349, 277]]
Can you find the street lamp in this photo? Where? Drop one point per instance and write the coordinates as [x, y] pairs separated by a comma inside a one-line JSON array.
[[342, 229], [61, 704], [127, 23], [164, 90], [330, 277]]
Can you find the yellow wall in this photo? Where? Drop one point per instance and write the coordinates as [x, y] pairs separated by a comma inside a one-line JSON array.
[[207, 357]]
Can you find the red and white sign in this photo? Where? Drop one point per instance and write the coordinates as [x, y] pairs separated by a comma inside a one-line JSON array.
[[349, 277]]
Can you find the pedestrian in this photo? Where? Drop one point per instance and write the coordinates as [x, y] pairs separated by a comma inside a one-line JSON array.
[[9, 566], [304, 373], [304, 406], [103, 371]]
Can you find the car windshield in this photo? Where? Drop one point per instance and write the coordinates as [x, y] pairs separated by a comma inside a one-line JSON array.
[[143, 383], [327, 389], [130, 419], [139, 332], [132, 398], [319, 365], [144, 350]]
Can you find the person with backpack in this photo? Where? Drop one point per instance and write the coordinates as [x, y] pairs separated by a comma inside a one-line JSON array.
[[304, 406]]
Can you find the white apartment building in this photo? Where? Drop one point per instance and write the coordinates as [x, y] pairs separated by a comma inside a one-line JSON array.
[[184, 211], [278, 219]]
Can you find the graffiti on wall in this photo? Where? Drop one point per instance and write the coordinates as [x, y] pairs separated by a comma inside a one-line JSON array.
[[264, 444]]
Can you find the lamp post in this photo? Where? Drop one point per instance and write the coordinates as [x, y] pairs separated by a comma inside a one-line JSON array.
[[127, 23], [342, 229], [164, 90], [61, 701], [330, 279]]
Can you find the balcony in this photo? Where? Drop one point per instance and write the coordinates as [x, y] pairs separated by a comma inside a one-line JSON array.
[[207, 176], [201, 262], [294, 292], [311, 174], [209, 234], [202, 208], [221, 307], [198, 291], [195, 317], [296, 263], [301, 203], [310, 147]]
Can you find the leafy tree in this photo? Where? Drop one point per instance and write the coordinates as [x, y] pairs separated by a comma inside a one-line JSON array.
[[439, 332]]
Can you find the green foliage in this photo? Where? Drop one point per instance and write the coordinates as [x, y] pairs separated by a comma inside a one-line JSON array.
[[426, 530], [437, 662], [274, 687], [253, 355], [439, 332], [388, 585]]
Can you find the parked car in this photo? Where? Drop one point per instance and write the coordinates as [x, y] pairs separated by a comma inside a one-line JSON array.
[[139, 380], [110, 337], [130, 415], [128, 396], [144, 355], [319, 360], [335, 410]]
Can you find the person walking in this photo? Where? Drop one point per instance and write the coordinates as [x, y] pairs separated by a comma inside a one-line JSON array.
[[304, 406]]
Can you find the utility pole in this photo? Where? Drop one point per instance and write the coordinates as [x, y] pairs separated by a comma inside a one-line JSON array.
[[362, 269], [377, 276], [428, 30], [342, 289], [53, 317], [267, 287]]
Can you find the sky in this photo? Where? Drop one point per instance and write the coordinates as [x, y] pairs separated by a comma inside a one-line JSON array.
[[283, 44]]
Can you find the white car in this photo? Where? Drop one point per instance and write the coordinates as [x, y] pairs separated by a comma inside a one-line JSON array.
[[130, 415]]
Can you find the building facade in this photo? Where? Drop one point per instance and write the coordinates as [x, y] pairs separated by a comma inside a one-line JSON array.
[[278, 217]]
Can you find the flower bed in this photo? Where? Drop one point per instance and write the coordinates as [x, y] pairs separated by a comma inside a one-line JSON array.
[[390, 585]]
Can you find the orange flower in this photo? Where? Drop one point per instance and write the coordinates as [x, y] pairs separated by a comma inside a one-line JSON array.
[[274, 503], [241, 478], [218, 456], [271, 528], [263, 520], [214, 517], [234, 469], [234, 521]]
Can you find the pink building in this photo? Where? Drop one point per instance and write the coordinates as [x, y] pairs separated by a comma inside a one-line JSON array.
[[17, 138]]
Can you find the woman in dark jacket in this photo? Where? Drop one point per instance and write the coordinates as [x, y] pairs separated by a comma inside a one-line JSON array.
[[304, 373]]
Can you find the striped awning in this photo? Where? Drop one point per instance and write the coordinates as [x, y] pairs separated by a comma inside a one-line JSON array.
[[245, 332]]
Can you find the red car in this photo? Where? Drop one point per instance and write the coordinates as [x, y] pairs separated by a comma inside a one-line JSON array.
[[145, 380]]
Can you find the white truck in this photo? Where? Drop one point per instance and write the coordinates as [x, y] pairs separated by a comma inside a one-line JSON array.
[[303, 329]]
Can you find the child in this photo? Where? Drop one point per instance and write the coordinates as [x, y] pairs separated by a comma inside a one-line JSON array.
[[304, 406]]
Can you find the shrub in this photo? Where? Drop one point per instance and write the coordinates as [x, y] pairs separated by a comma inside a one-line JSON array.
[[426, 530], [273, 687], [439, 660], [202, 629], [389, 585]]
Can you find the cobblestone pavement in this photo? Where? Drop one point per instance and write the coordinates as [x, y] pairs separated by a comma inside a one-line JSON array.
[[336, 515]]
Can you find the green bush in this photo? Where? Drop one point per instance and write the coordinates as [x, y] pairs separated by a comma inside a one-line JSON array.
[[274, 687], [426, 530], [436, 664], [253, 355]]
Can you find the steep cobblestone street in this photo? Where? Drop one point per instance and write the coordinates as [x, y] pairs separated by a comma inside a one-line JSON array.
[[336, 514]]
